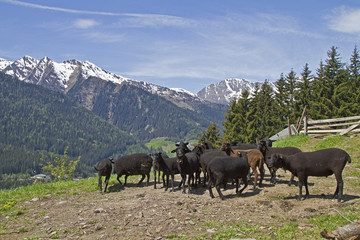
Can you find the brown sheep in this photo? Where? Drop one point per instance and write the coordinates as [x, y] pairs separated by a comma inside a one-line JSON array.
[[255, 160]]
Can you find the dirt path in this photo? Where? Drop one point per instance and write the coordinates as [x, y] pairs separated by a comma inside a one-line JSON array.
[[143, 212]]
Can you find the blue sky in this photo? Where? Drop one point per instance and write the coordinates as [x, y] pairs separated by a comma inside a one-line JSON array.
[[182, 44]]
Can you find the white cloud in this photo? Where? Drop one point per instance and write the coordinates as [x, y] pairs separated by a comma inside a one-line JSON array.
[[345, 20], [85, 23], [135, 18]]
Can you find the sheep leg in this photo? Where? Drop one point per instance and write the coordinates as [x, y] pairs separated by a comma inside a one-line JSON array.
[[273, 175], [100, 183], [159, 179], [191, 177], [244, 178], [106, 182], [165, 182], [262, 173], [142, 179], [155, 178], [291, 181], [217, 186], [306, 187], [148, 179], [256, 174], [183, 181], [301, 182], [204, 181], [172, 182], [126, 176], [237, 185], [210, 187], [167, 179], [339, 187], [118, 178]]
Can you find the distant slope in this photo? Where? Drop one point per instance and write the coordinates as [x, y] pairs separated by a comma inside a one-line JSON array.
[[36, 119], [225, 91], [137, 111]]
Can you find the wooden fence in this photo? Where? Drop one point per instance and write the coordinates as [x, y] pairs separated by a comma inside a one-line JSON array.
[[337, 126]]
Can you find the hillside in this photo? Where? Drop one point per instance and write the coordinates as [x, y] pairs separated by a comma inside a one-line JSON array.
[[36, 122], [137, 111], [142, 212], [110, 95]]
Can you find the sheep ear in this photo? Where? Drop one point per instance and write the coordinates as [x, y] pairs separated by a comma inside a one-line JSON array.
[[173, 151]]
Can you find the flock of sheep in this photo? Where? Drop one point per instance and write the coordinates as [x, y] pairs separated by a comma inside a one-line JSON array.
[[231, 161]]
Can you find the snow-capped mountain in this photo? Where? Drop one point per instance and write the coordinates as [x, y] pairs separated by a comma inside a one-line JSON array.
[[61, 76], [4, 63], [53, 75], [223, 92]]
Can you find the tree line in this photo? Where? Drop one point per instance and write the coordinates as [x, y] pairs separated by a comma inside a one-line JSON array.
[[332, 91]]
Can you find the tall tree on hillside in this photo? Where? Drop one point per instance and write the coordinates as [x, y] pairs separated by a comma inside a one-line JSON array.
[[290, 87], [235, 126], [317, 108], [335, 76], [253, 128], [346, 94], [281, 99], [212, 134], [303, 94], [266, 112]]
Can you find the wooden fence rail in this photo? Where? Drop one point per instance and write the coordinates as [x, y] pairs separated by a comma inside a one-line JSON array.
[[338, 126]]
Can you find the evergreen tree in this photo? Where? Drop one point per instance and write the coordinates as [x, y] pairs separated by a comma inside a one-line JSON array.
[[303, 94], [281, 99], [235, 126], [212, 134], [253, 128], [263, 122], [334, 76], [290, 87], [353, 96]]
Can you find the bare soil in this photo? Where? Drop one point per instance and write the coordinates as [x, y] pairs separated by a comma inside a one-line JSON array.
[[142, 212]]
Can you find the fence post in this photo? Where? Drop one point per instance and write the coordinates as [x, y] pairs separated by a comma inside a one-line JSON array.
[[289, 126], [305, 125]]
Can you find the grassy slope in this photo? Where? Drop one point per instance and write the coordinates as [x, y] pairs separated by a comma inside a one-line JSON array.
[[331, 221]]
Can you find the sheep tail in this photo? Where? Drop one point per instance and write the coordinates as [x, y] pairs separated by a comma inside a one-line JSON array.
[[349, 159]]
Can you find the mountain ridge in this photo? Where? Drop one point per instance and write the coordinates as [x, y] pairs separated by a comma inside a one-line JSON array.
[[60, 77]]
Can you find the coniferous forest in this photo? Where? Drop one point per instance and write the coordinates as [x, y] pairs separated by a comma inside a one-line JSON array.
[[38, 123], [331, 91]]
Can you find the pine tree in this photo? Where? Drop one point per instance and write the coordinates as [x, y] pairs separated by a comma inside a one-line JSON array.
[[253, 128], [290, 87], [264, 122], [212, 135], [281, 99], [335, 76], [303, 94], [354, 78], [235, 125]]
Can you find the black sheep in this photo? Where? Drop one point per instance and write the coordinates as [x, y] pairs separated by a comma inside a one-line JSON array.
[[319, 163], [226, 167], [267, 151], [206, 157], [188, 164], [104, 168], [168, 166], [134, 164]]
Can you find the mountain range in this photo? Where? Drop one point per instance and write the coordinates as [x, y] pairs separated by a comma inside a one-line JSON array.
[[61, 77], [142, 109]]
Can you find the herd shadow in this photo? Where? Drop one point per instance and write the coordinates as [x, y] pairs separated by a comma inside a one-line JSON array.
[[248, 192]]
